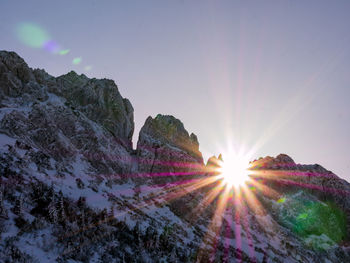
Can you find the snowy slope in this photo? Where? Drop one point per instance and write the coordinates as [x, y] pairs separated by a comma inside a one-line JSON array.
[[73, 190]]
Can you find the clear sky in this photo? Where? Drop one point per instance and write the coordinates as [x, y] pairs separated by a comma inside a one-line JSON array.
[[273, 74]]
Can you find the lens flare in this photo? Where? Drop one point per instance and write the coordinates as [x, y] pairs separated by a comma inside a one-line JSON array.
[[234, 170], [281, 200], [77, 61], [32, 35], [317, 223], [64, 52], [88, 68], [51, 46]]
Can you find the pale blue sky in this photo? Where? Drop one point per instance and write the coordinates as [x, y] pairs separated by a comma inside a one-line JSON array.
[[268, 73]]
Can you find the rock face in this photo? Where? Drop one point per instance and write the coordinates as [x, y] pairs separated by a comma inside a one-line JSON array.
[[213, 164], [283, 174], [99, 100], [15, 76], [68, 117], [164, 146], [70, 178]]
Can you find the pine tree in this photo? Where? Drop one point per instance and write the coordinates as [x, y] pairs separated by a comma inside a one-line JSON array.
[[264, 260], [17, 209], [137, 233], [111, 213], [104, 215], [81, 202], [173, 255], [3, 211], [62, 214], [148, 237], [52, 208]]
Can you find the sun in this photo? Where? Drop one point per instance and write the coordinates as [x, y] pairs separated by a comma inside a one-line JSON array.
[[234, 170]]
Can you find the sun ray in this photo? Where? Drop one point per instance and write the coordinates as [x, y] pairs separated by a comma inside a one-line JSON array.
[[253, 202], [247, 230], [215, 223], [264, 189], [208, 199], [288, 177], [146, 202], [228, 232], [238, 237]]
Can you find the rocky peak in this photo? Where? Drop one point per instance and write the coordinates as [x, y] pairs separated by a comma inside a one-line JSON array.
[[214, 161], [282, 161], [194, 139], [165, 145], [14, 74], [98, 99], [10, 62], [213, 164], [284, 158], [101, 101], [166, 129]]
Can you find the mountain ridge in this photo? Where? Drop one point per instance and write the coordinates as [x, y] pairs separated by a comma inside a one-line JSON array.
[[72, 188]]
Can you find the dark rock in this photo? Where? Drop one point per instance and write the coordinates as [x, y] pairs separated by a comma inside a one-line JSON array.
[[164, 146], [101, 101]]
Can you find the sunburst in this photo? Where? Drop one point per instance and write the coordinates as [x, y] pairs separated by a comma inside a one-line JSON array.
[[234, 169]]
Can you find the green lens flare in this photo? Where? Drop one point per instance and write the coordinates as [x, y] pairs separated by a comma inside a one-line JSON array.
[[320, 224], [64, 52], [32, 35], [77, 61], [302, 216], [281, 200], [88, 68]]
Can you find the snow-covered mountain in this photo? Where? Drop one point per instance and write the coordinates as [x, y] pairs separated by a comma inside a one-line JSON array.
[[72, 188]]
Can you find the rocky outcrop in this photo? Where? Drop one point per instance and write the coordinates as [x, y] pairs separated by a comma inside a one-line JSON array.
[[16, 77], [281, 161], [284, 175], [164, 146], [214, 163], [68, 117], [99, 100]]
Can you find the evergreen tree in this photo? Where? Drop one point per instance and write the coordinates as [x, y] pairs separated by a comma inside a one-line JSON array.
[[111, 213], [52, 209], [137, 233], [17, 209], [104, 215], [264, 260], [3, 211], [173, 255], [82, 218], [62, 213], [81, 202]]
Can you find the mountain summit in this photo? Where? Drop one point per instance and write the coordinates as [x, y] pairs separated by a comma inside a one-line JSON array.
[[72, 188]]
